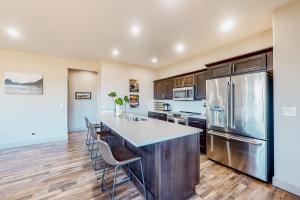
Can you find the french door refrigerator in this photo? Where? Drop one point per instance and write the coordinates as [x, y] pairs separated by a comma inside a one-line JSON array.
[[240, 123]]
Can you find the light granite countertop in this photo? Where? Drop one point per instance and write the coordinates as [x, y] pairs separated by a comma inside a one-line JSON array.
[[150, 131]]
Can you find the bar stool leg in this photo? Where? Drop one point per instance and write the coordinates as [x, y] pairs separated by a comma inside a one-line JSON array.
[[115, 181], [143, 179], [103, 176], [87, 137], [92, 151], [95, 161]]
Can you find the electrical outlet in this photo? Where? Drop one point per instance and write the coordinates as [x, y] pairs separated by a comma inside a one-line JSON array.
[[289, 111]]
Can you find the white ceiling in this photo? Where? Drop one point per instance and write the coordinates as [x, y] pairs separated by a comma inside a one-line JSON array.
[[90, 29]]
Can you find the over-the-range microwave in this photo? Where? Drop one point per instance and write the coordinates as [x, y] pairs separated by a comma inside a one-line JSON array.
[[183, 94]]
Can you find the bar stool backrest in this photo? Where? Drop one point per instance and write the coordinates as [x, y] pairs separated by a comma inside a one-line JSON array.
[[92, 131], [87, 122], [104, 148]]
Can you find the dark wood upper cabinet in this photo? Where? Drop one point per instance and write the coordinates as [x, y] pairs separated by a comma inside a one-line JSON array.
[[261, 60], [200, 85], [159, 89], [179, 82], [189, 80], [184, 81], [250, 64], [270, 61], [168, 89], [220, 70], [163, 89]]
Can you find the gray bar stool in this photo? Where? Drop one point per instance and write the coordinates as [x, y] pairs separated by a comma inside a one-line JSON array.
[[117, 158], [104, 135], [97, 126]]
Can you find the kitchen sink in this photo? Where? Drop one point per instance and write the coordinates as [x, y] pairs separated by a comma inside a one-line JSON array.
[[136, 118]]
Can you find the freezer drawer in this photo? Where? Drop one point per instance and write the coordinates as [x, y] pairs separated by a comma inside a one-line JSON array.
[[241, 153]]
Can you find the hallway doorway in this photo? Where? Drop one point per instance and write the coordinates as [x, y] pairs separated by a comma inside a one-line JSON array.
[[82, 98]]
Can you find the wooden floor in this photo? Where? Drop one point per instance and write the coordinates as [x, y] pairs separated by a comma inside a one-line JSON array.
[[63, 170]]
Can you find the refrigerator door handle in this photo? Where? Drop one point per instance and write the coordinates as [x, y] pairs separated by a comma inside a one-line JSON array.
[[228, 104], [232, 124], [230, 137], [246, 140]]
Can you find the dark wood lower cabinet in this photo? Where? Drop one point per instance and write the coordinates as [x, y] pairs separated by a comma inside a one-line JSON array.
[[171, 168], [199, 123], [156, 115]]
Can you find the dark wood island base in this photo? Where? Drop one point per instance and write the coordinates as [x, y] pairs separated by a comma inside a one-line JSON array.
[[171, 167]]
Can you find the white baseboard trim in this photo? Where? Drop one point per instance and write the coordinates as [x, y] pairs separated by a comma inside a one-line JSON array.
[[286, 186], [27, 143]]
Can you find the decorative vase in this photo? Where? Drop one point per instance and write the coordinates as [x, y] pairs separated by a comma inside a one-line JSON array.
[[119, 110], [125, 113]]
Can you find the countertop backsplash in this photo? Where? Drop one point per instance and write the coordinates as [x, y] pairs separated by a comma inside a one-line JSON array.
[[189, 106]]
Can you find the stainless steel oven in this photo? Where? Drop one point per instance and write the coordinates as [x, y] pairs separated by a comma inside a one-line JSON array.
[[183, 94]]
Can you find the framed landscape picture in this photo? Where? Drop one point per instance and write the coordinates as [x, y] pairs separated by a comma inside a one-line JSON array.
[[83, 95], [22, 83], [134, 85]]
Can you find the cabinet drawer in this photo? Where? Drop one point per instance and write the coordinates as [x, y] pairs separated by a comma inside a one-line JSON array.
[[251, 64]]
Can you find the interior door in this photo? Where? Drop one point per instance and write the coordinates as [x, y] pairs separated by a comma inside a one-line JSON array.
[[217, 94], [248, 114]]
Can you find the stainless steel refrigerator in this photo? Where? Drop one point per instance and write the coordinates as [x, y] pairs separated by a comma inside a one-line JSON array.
[[240, 123]]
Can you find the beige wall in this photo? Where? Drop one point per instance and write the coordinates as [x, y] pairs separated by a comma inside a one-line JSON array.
[[253, 43], [82, 81], [115, 77], [46, 114], [287, 94]]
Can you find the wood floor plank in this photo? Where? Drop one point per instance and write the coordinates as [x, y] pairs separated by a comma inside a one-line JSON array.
[[63, 170]]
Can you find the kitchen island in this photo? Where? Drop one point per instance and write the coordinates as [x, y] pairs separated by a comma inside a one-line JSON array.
[[170, 153]]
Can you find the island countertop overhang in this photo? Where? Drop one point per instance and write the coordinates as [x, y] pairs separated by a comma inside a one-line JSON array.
[[142, 133]]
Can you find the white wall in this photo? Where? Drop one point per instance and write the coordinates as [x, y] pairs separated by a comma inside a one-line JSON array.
[[252, 43], [23, 114], [287, 94], [82, 81], [115, 77]]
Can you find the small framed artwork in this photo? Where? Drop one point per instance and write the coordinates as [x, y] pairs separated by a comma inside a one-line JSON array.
[[134, 85], [83, 95], [133, 100]]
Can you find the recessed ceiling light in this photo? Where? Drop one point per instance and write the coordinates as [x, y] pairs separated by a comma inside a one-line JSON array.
[[179, 48], [13, 32], [115, 52], [227, 25], [135, 30], [154, 60]]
